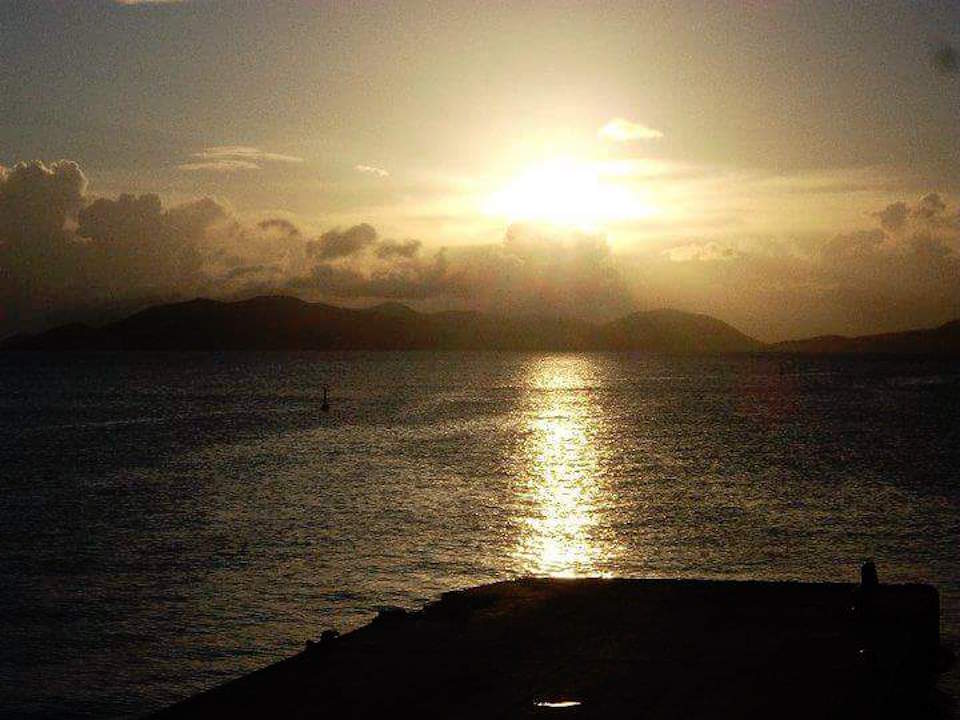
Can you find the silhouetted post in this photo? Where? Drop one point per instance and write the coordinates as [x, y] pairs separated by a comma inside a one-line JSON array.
[[864, 608], [897, 626]]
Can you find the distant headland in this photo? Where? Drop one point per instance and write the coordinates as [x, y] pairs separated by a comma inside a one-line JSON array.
[[276, 322]]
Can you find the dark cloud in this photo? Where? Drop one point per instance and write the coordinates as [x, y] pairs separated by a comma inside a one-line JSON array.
[[280, 225], [893, 217], [37, 205], [137, 246], [946, 59], [196, 216], [931, 209], [533, 271], [125, 219], [260, 272], [142, 220], [37, 200], [932, 248], [60, 249], [410, 280], [703, 252], [335, 244], [398, 248], [842, 249]]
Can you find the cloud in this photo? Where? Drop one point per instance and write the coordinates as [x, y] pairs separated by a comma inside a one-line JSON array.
[[700, 252], [534, 270], [219, 166], [540, 270], [893, 217], [335, 244], [63, 252], [398, 248], [931, 209], [412, 279], [371, 170], [846, 249], [234, 158], [37, 200], [621, 130], [946, 60], [244, 152], [136, 247], [281, 225], [38, 204], [903, 273]]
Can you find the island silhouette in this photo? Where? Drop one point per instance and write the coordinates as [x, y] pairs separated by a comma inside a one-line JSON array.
[[279, 322]]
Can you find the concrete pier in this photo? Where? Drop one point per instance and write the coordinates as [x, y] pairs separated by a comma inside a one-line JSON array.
[[615, 649]]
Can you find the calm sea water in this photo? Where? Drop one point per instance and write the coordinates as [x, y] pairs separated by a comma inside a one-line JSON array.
[[168, 522]]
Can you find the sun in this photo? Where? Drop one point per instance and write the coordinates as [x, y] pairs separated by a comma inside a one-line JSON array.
[[567, 192]]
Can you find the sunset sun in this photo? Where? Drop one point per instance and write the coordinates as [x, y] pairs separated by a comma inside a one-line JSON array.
[[565, 191]]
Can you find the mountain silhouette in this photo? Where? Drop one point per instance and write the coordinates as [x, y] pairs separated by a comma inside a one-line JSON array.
[[941, 340], [277, 322], [287, 323], [673, 331]]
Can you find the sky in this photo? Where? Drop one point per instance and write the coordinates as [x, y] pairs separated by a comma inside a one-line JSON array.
[[791, 168]]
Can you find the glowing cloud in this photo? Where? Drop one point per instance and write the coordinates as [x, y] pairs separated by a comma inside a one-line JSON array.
[[371, 170], [243, 152], [233, 158], [621, 130], [221, 166]]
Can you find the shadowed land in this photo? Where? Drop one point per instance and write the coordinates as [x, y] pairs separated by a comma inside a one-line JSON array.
[[287, 323], [615, 648], [277, 322]]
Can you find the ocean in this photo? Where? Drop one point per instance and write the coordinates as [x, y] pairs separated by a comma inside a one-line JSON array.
[[172, 521]]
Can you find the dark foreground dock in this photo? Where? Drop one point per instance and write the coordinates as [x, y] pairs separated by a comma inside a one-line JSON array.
[[615, 649]]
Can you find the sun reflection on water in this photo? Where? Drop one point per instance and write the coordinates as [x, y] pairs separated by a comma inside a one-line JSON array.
[[559, 489]]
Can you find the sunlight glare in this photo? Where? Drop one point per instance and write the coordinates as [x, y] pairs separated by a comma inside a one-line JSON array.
[[561, 487], [567, 192]]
